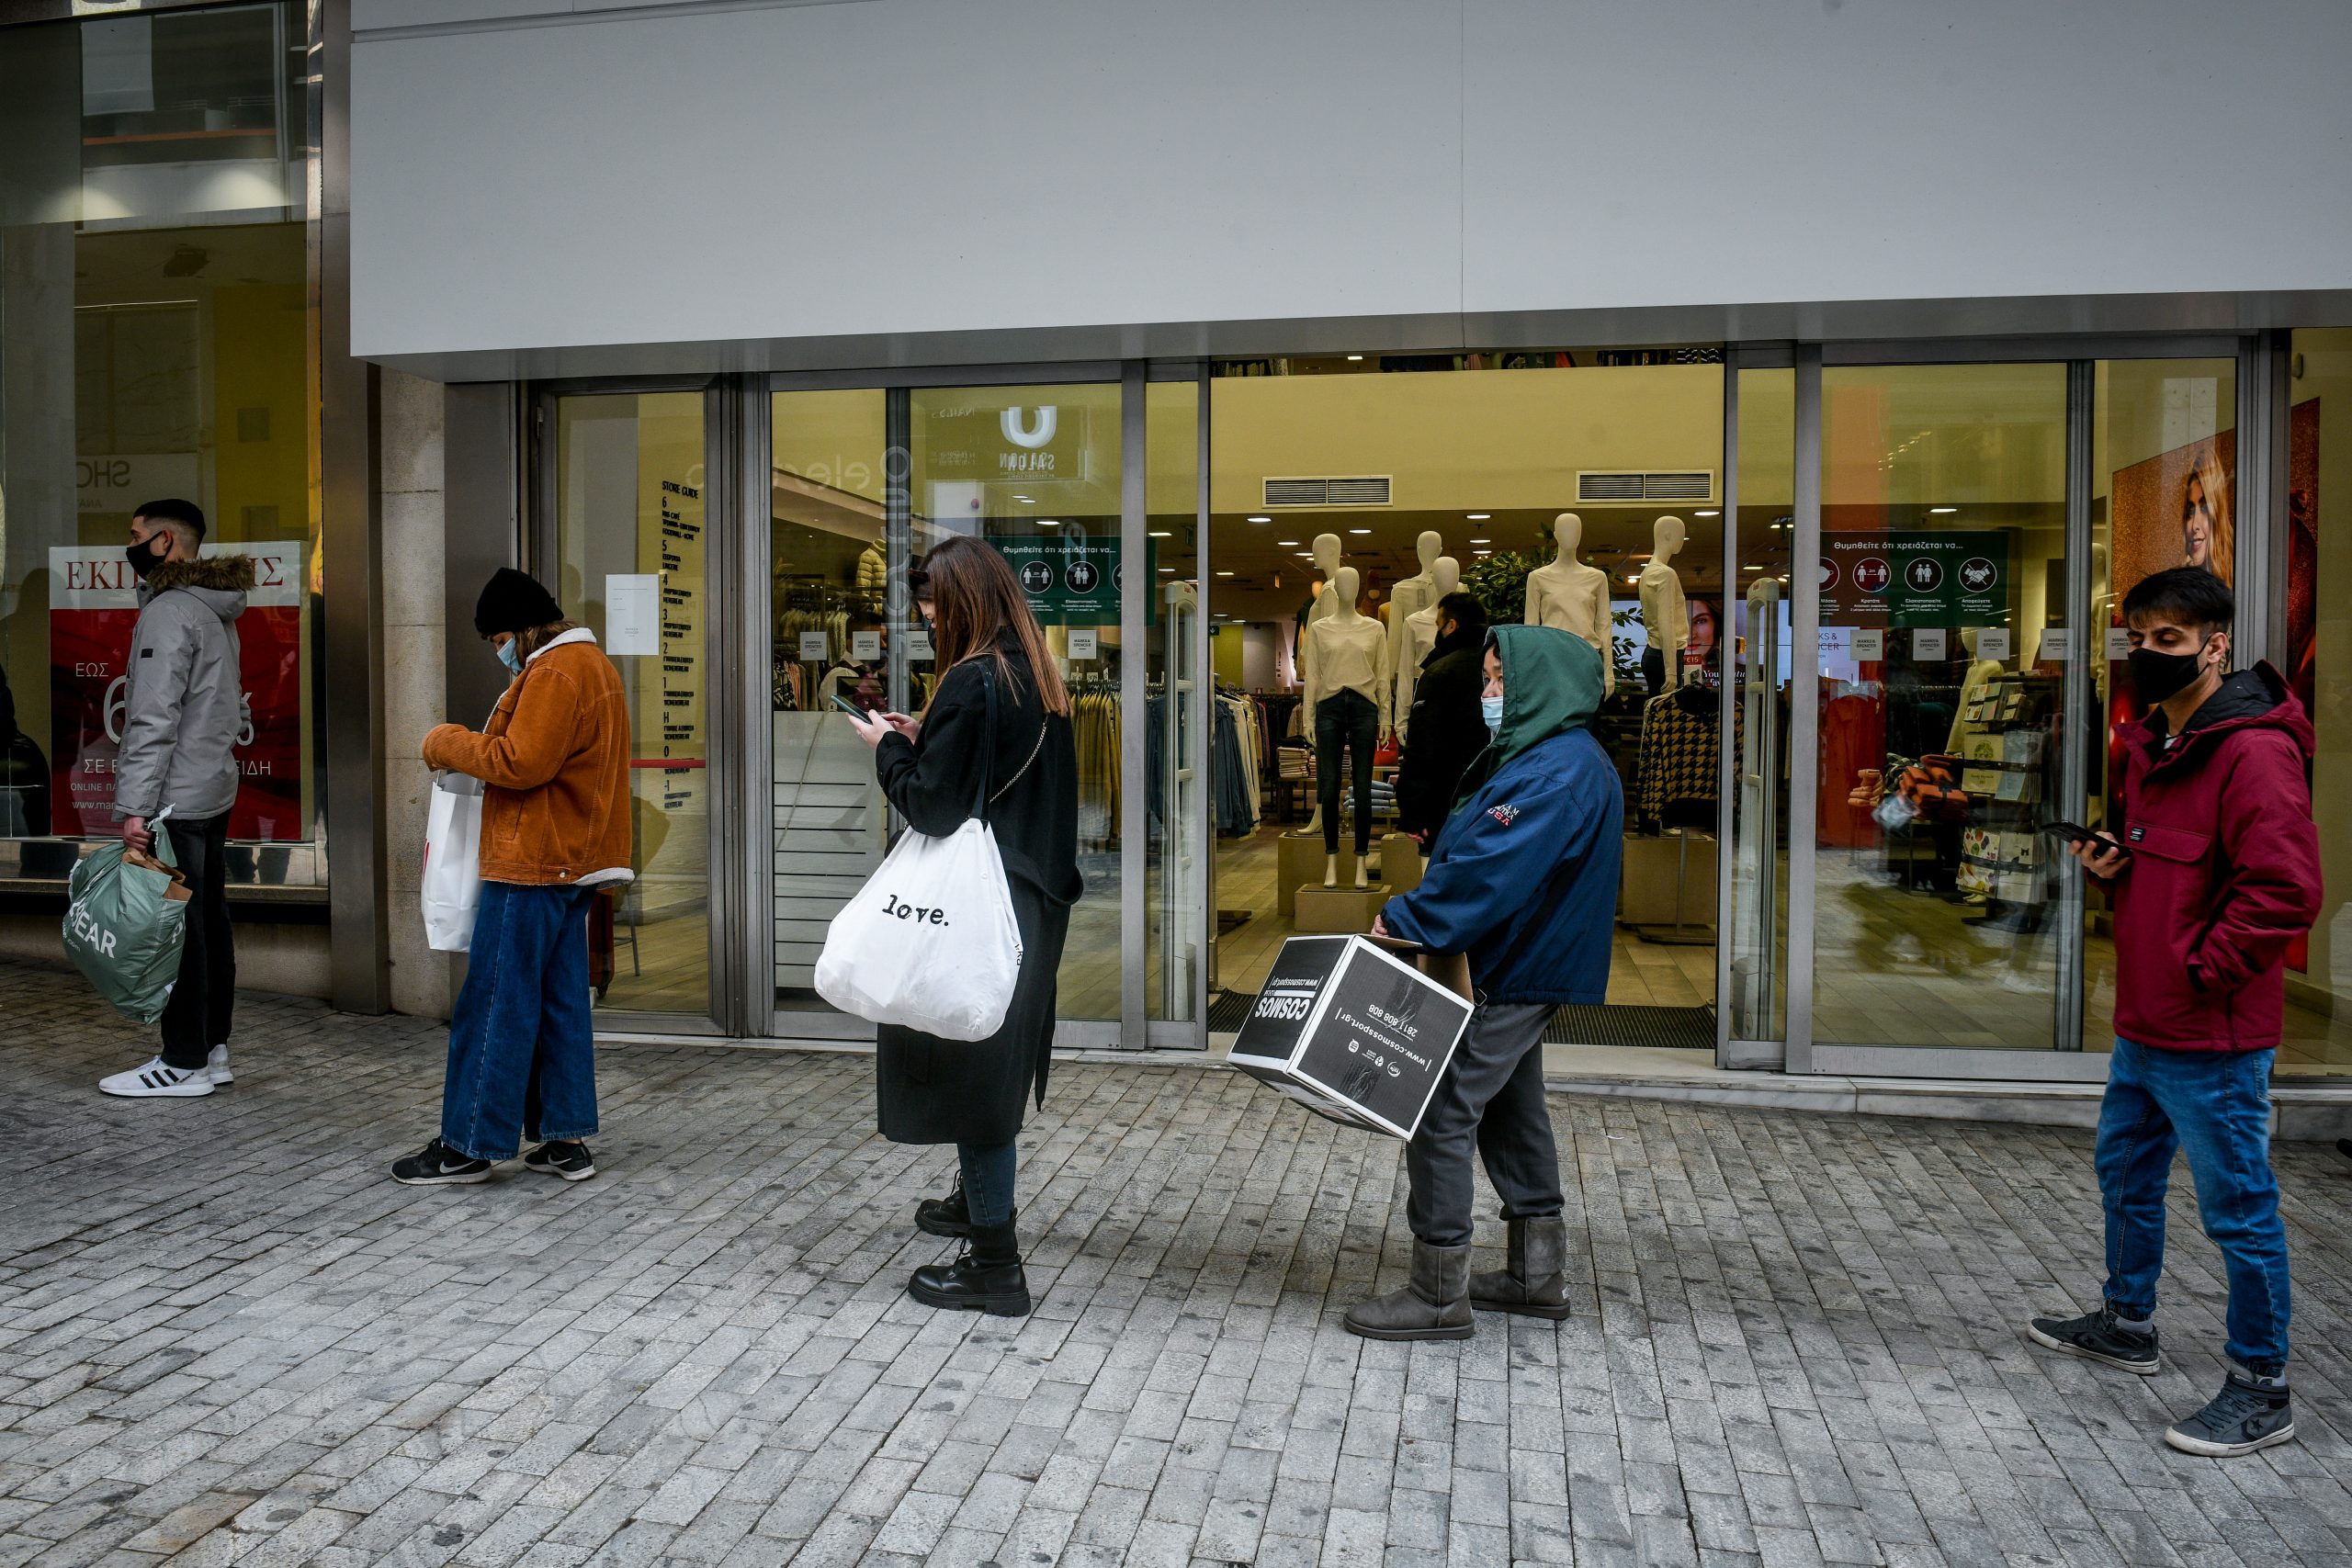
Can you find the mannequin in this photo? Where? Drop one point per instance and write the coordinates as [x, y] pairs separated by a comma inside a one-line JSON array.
[[1574, 597], [1420, 635], [1327, 563], [1979, 671], [1345, 711], [1411, 596], [1666, 613]]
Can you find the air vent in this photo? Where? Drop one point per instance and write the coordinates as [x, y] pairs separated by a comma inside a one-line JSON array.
[[1369, 490], [1629, 485]]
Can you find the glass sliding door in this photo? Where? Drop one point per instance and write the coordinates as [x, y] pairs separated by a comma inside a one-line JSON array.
[[1760, 678], [1176, 766], [630, 542]]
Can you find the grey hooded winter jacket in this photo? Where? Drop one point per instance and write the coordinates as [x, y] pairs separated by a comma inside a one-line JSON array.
[[184, 709]]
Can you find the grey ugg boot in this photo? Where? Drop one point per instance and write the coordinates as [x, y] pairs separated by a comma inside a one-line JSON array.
[[1436, 1305], [1535, 1283]]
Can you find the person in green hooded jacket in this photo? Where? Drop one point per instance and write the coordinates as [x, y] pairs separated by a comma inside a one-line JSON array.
[[1523, 880]]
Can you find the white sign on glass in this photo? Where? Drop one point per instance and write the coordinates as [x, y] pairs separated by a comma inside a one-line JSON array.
[[1993, 642], [2119, 644], [632, 613], [1929, 643], [2057, 645], [918, 644], [1869, 645], [1083, 641], [865, 647], [812, 648]]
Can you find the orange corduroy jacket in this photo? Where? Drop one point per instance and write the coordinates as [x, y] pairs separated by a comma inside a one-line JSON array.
[[555, 755]]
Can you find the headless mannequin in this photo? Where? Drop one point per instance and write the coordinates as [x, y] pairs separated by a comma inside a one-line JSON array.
[[1420, 635], [1666, 613], [1342, 665], [1326, 562], [1979, 671], [1408, 598], [1572, 596]]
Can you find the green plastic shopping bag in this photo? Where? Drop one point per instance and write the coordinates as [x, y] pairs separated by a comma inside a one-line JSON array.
[[125, 923]]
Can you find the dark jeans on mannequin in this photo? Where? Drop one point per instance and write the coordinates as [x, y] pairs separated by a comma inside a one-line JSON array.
[[1347, 719]]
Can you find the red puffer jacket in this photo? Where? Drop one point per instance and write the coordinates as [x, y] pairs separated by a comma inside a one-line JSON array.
[[2224, 869]]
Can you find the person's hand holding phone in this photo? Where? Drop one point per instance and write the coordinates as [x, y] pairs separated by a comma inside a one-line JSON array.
[[2100, 855]]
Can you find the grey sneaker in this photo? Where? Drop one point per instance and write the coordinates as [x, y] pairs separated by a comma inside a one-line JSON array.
[[2249, 1413], [2097, 1337]]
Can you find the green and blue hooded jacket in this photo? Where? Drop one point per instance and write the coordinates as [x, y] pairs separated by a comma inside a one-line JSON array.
[[1524, 875]]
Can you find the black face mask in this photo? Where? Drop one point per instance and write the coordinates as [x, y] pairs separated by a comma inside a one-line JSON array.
[[2160, 675], [145, 558]]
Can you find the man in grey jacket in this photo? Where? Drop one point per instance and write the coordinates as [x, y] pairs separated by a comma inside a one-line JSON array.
[[184, 712]]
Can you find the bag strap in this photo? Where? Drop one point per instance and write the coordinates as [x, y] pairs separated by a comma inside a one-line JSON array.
[[986, 796]]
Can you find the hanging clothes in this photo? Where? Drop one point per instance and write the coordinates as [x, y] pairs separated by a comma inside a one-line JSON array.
[[1678, 775], [1094, 728]]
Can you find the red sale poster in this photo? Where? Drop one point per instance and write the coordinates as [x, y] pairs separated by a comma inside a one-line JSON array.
[[93, 605]]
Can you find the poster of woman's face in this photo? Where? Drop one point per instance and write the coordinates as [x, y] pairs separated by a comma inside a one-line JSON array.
[[1701, 650], [2174, 510]]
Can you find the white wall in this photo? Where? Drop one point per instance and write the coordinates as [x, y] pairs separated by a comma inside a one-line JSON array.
[[915, 166]]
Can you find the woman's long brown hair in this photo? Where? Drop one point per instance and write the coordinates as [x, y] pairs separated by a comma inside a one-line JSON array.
[[974, 599]]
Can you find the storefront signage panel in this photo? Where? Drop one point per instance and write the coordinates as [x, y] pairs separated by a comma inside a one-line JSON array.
[[1889, 579], [1070, 580], [93, 607]]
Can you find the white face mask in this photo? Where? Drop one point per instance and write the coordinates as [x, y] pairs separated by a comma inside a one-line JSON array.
[[1492, 707]]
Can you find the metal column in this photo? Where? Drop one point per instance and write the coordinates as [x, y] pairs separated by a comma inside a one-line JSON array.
[[2085, 643], [1804, 718], [1133, 824]]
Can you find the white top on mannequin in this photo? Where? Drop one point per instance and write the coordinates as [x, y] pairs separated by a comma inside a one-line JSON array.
[[1666, 611], [1343, 650], [1411, 596], [1980, 670], [1420, 635], [1327, 561], [1572, 596]]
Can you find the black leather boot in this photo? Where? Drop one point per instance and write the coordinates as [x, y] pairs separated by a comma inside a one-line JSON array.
[[986, 1277], [1436, 1305], [1535, 1283], [950, 1217]]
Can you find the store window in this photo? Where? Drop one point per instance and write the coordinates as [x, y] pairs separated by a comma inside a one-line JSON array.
[[158, 339]]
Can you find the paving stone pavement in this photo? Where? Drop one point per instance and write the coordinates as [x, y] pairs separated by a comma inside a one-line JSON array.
[[225, 1336]]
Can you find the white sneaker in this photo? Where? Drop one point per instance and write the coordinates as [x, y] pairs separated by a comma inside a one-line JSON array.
[[157, 1080], [217, 1066]]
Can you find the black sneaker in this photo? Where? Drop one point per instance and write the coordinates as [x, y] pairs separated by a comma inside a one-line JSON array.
[[437, 1165], [2248, 1414], [569, 1160], [2098, 1337], [950, 1217]]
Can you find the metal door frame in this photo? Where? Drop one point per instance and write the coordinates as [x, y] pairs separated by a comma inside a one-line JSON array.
[[2259, 600]]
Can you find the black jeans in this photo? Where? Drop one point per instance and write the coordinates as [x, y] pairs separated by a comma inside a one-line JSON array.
[[1350, 719], [1492, 1096], [197, 1017]]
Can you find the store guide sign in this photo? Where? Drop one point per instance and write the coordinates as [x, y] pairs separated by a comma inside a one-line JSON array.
[[1883, 578], [1070, 580], [93, 609]]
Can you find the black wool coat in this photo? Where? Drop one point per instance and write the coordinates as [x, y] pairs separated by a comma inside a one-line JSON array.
[[931, 1090], [1444, 733]]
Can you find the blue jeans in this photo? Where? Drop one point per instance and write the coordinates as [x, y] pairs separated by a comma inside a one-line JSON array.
[[988, 1181], [2216, 1108], [522, 1050]]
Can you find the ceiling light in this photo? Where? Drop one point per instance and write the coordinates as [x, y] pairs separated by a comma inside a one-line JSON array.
[[1024, 498], [1942, 511], [1359, 530], [1225, 574], [1482, 541], [1261, 520], [1287, 544], [1307, 555], [1049, 523], [1478, 517], [1706, 514], [1353, 356], [1482, 552], [1171, 569], [1159, 534]]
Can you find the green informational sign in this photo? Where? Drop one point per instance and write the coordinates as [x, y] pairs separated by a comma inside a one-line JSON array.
[[1072, 581], [1883, 578]]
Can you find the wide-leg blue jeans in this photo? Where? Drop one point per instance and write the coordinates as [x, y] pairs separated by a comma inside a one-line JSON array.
[[522, 1048], [2215, 1107]]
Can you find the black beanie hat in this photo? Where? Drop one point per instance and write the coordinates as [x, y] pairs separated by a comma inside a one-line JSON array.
[[514, 602]]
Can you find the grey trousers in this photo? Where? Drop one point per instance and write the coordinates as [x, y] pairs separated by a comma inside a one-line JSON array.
[[1492, 1098]]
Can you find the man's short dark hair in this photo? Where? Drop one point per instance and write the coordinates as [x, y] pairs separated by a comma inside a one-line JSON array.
[[2186, 595], [1465, 610], [179, 514]]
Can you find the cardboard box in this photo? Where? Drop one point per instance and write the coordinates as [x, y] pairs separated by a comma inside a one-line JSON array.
[[1340, 910], [1352, 1032]]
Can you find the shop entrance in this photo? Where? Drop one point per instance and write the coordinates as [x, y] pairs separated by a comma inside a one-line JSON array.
[[1575, 490]]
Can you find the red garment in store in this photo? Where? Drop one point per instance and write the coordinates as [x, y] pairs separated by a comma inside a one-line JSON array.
[[1853, 737]]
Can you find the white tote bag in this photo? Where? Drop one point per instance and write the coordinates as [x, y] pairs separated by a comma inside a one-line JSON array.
[[930, 943], [452, 890]]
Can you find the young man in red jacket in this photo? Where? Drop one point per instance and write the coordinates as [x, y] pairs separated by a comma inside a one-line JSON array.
[[2216, 872]]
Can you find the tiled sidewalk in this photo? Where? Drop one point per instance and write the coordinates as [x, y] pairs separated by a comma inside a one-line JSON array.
[[224, 1334]]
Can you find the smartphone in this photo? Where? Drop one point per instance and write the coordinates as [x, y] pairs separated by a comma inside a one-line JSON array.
[[847, 706], [2075, 833]]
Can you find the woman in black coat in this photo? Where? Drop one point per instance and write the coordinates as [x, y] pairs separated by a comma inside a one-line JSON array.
[[1445, 732], [997, 724]]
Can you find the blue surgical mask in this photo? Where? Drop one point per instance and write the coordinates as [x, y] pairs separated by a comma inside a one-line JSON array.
[[511, 655], [1492, 707]]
